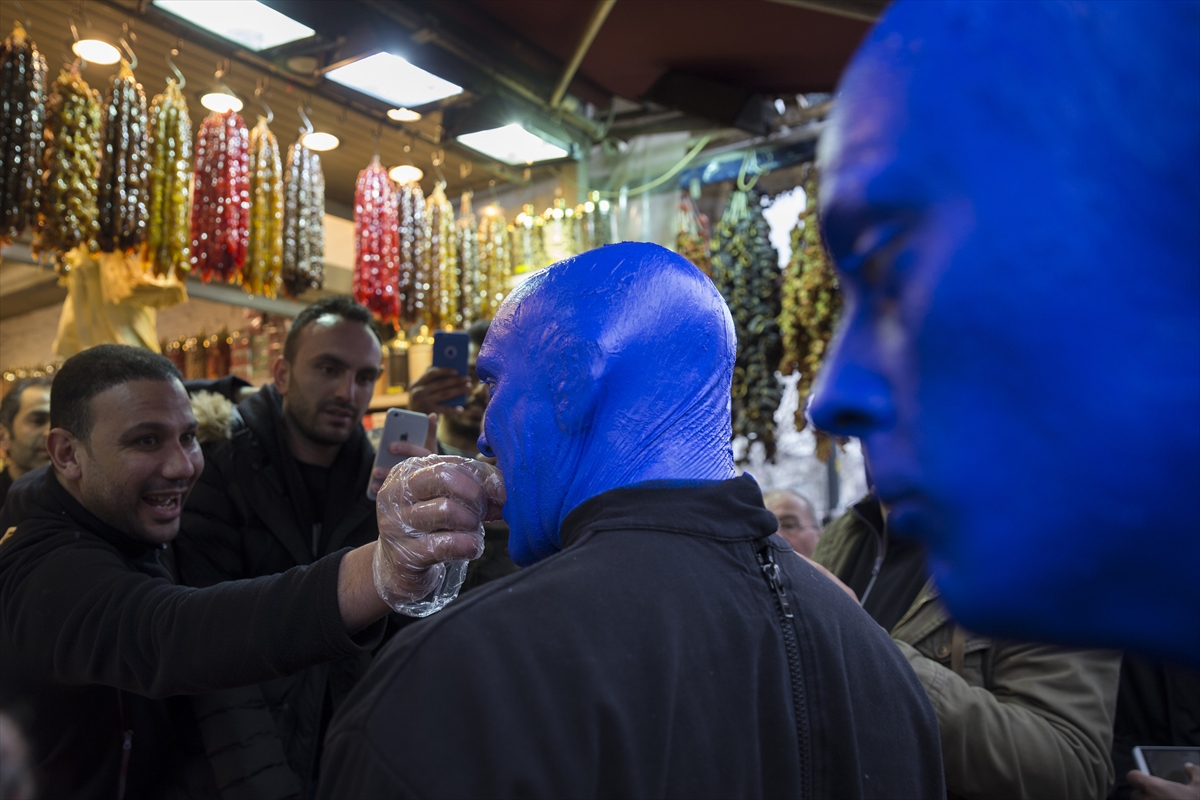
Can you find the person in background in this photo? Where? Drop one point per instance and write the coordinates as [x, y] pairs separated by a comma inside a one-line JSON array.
[[661, 641], [284, 484], [98, 645], [458, 427], [1017, 719], [24, 423], [797, 521]]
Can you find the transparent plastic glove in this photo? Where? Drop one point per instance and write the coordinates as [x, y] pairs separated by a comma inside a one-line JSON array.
[[431, 512]]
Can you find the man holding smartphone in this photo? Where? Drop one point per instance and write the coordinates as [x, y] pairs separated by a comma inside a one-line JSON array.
[[284, 484], [458, 426]]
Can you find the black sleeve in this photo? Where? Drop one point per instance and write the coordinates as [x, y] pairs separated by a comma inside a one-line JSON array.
[[76, 611]]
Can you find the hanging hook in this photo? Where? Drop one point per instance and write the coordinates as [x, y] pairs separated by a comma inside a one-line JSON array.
[[24, 14], [133, 61], [260, 91], [180, 80], [375, 138], [308, 126]]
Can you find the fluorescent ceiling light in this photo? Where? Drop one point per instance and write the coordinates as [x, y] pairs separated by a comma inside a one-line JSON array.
[[95, 51], [512, 144], [403, 114], [246, 22], [405, 173], [391, 78], [319, 140]]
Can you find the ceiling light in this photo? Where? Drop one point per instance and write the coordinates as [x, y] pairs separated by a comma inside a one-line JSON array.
[[96, 51], [221, 99], [319, 140], [389, 77], [246, 22], [403, 115], [405, 173], [512, 144]]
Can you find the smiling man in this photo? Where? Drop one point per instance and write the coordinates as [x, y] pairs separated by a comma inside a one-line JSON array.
[[1011, 194], [95, 638], [285, 486]]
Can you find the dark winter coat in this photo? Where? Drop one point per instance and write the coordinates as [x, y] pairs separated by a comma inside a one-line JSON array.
[[675, 647], [95, 639], [248, 516]]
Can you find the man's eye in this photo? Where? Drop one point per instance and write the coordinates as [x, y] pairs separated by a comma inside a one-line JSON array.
[[147, 441], [188, 438]]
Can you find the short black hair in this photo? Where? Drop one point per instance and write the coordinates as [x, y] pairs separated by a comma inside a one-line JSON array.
[[340, 305], [478, 331], [95, 370], [11, 404]]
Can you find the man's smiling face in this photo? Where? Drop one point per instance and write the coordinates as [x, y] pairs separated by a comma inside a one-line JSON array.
[[141, 458]]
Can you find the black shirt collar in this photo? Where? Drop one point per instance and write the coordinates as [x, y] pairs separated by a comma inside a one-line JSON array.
[[731, 510]]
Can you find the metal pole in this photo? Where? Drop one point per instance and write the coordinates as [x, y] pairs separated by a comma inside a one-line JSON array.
[[599, 14]]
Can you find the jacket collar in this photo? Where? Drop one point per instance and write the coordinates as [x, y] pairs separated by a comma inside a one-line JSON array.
[[730, 510]]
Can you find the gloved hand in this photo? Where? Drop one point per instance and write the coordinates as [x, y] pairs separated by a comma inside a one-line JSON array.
[[431, 512]]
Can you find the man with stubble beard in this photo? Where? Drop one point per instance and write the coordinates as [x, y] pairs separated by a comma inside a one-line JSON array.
[[284, 483]]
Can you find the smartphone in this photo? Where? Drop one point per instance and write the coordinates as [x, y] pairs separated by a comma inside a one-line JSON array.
[[450, 350], [399, 426], [1166, 762]]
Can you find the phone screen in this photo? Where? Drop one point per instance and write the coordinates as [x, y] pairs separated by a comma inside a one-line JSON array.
[[1166, 762]]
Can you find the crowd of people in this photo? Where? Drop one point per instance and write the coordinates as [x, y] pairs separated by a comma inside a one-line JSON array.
[[198, 599]]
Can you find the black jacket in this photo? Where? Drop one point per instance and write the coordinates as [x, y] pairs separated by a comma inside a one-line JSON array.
[[95, 637], [650, 658], [248, 516]]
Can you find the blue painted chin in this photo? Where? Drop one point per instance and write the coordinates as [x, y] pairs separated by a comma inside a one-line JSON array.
[[608, 369], [1020, 346]]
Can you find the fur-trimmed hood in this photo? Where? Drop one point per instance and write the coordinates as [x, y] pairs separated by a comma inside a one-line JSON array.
[[215, 413]]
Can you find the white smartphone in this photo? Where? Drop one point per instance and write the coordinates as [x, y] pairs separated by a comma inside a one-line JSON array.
[[1166, 762], [399, 426]]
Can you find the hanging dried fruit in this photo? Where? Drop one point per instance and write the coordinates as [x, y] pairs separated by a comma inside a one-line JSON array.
[[376, 238], [304, 221], [693, 239], [495, 261], [123, 165], [221, 199], [67, 215], [811, 301], [443, 263], [262, 272], [414, 284], [22, 118], [168, 237], [746, 270], [466, 247]]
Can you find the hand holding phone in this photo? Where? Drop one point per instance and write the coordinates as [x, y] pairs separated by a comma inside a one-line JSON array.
[[400, 427], [450, 350]]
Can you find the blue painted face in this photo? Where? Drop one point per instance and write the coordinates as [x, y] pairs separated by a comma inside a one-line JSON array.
[[606, 370], [1012, 195]]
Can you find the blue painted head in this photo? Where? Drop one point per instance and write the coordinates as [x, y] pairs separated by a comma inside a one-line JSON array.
[[1011, 192], [608, 369]]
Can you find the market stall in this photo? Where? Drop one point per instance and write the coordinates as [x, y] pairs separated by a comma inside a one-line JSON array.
[[189, 191]]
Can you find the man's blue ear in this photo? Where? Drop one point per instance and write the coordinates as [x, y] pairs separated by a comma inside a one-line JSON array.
[[575, 371]]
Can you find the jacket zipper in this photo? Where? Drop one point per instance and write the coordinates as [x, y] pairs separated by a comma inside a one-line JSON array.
[[770, 569]]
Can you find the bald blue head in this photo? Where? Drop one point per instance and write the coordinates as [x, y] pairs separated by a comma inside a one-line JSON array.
[[608, 369]]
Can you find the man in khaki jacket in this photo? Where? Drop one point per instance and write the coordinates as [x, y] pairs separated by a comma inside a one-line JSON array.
[[1017, 719]]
